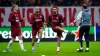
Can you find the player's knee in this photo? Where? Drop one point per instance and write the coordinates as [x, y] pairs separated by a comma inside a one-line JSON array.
[[40, 31], [40, 35], [60, 29], [13, 39], [20, 38], [59, 36], [33, 38], [57, 27]]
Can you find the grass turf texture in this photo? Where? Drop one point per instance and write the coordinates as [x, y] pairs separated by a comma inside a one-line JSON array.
[[49, 49]]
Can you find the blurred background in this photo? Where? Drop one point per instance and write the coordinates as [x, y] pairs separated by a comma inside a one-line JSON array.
[[68, 8], [49, 2]]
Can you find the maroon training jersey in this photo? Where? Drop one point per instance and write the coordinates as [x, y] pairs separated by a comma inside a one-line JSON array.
[[12, 18], [55, 20], [37, 20]]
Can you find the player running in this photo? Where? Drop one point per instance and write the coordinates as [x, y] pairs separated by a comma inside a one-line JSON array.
[[37, 21], [15, 28], [56, 21]]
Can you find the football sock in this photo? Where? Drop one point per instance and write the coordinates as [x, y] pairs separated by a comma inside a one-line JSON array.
[[10, 43], [21, 44], [87, 48], [32, 47], [58, 48], [38, 40], [81, 48]]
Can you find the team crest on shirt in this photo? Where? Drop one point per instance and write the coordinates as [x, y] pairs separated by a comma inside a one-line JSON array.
[[56, 17], [16, 17], [40, 16], [16, 14]]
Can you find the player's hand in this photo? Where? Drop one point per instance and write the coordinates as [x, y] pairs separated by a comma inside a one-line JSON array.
[[72, 24], [62, 24], [24, 19], [17, 20], [44, 24]]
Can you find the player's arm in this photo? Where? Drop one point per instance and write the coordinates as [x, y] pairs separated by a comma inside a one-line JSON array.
[[24, 19], [20, 20], [32, 19], [49, 20], [61, 20], [79, 16], [44, 23], [10, 19]]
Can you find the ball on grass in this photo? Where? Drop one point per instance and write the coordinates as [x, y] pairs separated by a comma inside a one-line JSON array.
[[43, 55], [4, 51]]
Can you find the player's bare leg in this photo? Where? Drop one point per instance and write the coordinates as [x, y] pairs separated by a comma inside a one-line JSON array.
[[39, 37], [61, 29], [21, 43], [33, 42], [58, 44]]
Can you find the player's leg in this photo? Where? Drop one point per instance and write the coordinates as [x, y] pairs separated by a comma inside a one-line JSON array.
[[9, 44], [19, 33], [34, 31], [21, 43], [87, 38], [81, 32], [59, 35], [61, 29], [39, 36], [13, 35], [33, 42]]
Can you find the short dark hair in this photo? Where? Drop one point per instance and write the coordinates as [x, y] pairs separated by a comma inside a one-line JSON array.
[[54, 7], [85, 5]]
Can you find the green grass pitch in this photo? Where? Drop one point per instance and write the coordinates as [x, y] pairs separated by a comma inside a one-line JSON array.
[[49, 49]]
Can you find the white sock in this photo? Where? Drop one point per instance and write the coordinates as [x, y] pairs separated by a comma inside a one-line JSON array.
[[58, 48], [87, 48], [81, 48], [32, 47], [38, 41], [21, 44], [9, 44]]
